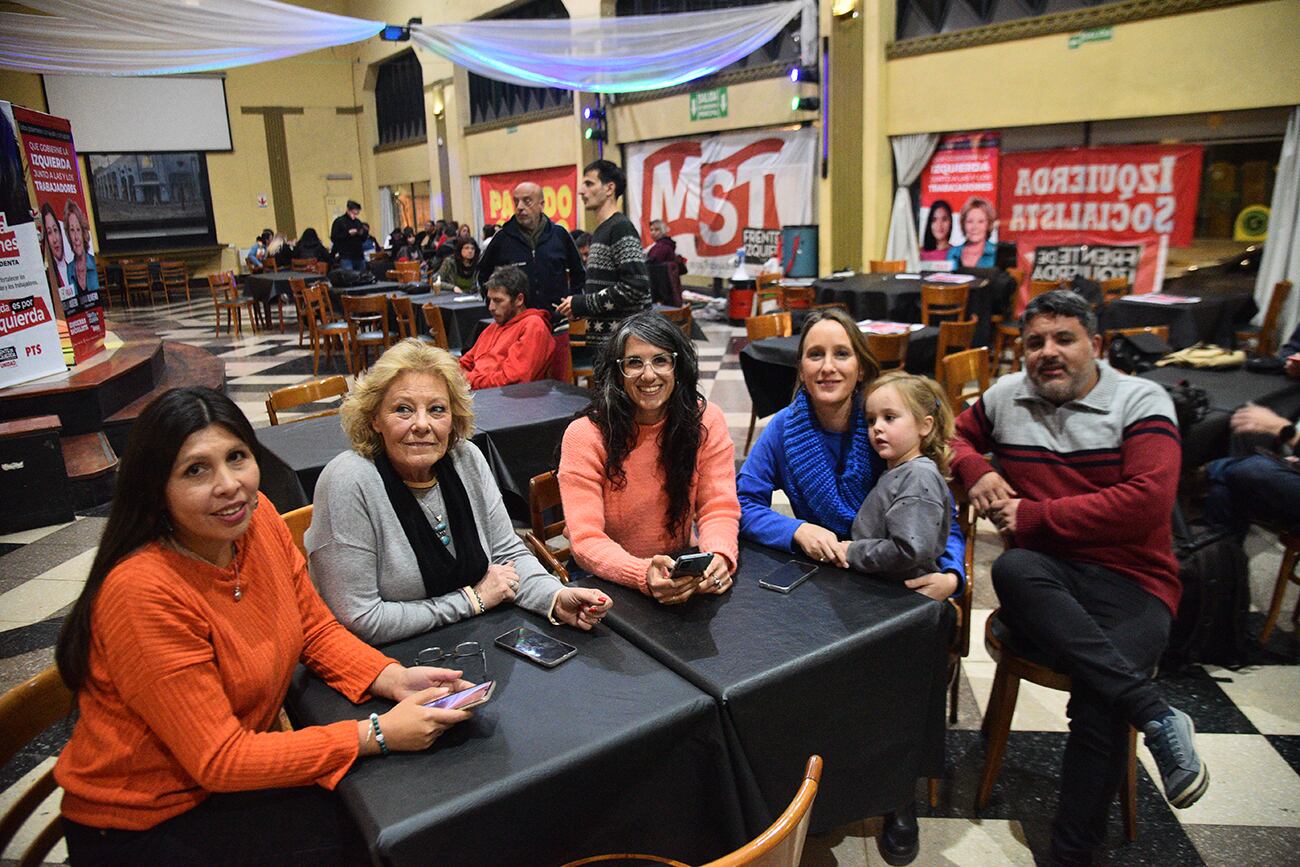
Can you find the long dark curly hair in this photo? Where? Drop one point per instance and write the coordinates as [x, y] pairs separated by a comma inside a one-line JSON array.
[[613, 412]]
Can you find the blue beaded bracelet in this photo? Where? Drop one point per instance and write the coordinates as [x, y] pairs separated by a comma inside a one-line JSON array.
[[379, 735]]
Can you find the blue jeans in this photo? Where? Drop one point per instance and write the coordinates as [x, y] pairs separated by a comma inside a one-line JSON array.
[[353, 264], [1250, 489]]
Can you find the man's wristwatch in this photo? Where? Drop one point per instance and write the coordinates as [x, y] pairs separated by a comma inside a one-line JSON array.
[[1286, 434]]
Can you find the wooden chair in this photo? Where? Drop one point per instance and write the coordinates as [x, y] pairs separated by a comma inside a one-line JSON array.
[[225, 296], [796, 297], [1114, 289], [325, 327], [769, 289], [1005, 330], [543, 503], [838, 305], [1161, 331], [961, 368], [136, 280], [889, 350], [105, 286], [298, 291], [322, 268], [175, 278], [954, 336], [405, 272], [781, 845], [302, 264], [1287, 574], [305, 392], [681, 317], [25, 711], [269, 265], [942, 300], [1008, 334], [299, 520], [887, 266], [367, 319], [1038, 287], [404, 313], [779, 324], [437, 330], [1013, 666], [1265, 336], [581, 365]]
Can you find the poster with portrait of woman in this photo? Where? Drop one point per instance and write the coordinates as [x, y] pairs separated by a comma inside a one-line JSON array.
[[68, 242], [958, 215]]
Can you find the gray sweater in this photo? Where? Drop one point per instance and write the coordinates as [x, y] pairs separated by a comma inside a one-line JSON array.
[[902, 527], [366, 569]]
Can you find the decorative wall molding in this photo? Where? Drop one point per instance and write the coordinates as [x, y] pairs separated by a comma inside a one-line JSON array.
[[721, 79], [520, 119]]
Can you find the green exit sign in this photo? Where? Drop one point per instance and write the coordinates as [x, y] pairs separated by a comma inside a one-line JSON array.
[[1096, 34], [709, 104]]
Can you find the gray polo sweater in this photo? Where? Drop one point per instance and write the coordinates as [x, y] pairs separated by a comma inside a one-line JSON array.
[[365, 568], [902, 527]]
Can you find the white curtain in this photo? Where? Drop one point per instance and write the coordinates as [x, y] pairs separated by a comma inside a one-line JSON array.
[[387, 215], [1281, 258], [609, 55], [158, 37], [911, 153]]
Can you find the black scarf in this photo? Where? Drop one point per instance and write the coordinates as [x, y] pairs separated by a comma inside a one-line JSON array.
[[441, 572]]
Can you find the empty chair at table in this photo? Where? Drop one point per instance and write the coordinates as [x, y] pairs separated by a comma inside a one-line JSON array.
[[409, 531]]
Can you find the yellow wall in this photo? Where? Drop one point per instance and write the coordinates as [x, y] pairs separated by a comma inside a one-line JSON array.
[[749, 105], [22, 88], [535, 145], [1231, 58]]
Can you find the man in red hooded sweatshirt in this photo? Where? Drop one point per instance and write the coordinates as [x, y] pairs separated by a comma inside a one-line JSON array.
[[518, 346]]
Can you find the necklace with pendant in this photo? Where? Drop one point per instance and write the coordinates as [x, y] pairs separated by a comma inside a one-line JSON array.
[[234, 560]]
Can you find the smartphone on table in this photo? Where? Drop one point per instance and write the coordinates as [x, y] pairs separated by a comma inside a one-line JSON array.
[[467, 698], [533, 645], [787, 576], [692, 565]]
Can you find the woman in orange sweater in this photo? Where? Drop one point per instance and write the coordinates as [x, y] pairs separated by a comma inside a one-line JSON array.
[[650, 468], [180, 651]]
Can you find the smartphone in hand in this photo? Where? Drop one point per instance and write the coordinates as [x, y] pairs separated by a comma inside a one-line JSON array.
[[467, 698], [692, 565]]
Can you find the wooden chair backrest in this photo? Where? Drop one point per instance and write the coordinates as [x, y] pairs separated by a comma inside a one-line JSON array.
[[887, 266], [269, 264], [577, 332], [437, 330], [961, 368], [681, 317], [299, 520], [1114, 289], [302, 264], [797, 297], [781, 845], [174, 273], [136, 274], [1268, 328], [942, 300], [954, 336], [1039, 287], [404, 313], [25, 711], [407, 272], [544, 498], [768, 281], [777, 324], [889, 350], [305, 392], [367, 305]]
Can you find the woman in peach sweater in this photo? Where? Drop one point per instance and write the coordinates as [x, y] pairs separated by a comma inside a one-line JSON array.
[[180, 651], [649, 469]]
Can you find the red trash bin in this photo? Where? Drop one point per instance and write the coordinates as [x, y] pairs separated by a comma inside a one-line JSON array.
[[740, 301]]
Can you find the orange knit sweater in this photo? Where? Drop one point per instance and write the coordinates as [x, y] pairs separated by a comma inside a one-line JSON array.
[[185, 683], [614, 533]]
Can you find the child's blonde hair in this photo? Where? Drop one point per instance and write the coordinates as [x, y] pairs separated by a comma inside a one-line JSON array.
[[923, 397]]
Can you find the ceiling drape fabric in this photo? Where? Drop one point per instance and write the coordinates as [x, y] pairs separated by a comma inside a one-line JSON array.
[[608, 55], [160, 37]]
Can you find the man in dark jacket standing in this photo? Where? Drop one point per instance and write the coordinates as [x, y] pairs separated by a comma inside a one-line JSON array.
[[348, 234], [544, 250]]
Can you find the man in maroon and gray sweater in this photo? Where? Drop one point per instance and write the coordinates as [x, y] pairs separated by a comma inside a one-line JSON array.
[[1087, 474]]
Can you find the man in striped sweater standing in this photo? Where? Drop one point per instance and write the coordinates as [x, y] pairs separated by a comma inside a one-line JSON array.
[[1088, 462], [618, 283]]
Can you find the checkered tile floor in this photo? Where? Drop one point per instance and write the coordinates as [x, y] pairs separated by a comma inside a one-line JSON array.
[[1248, 720]]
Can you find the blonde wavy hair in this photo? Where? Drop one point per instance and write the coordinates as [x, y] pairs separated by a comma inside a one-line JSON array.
[[408, 356], [923, 397]]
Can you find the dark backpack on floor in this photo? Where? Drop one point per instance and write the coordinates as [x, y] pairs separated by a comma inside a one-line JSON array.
[[1211, 622], [1135, 353]]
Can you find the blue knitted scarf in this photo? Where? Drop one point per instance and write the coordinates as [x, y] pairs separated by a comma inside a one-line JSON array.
[[832, 498]]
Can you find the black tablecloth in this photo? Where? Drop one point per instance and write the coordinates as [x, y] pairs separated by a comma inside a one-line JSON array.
[[460, 315], [519, 428], [846, 666], [269, 285], [608, 752], [769, 366], [1212, 319], [889, 297]]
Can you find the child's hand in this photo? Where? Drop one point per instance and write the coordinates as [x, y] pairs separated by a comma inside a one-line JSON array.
[[936, 585]]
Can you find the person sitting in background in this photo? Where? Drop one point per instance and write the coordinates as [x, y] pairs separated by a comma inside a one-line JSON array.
[[396, 241], [582, 240], [257, 253], [664, 252], [489, 232], [977, 220], [180, 650], [368, 244], [518, 345], [409, 531], [309, 246], [427, 240], [280, 250], [460, 271], [649, 469]]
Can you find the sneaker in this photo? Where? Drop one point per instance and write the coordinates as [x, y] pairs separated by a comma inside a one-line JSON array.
[[1171, 740]]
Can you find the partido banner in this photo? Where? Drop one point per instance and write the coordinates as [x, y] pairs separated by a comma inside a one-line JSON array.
[[964, 167], [29, 336], [1056, 256], [494, 203], [70, 257], [1115, 193], [720, 193]]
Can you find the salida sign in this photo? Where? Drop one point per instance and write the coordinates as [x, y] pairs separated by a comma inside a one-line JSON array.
[[719, 193]]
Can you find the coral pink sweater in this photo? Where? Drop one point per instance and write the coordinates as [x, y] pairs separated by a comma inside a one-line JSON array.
[[614, 533]]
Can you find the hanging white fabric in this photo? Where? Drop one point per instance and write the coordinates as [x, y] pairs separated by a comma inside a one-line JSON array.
[[911, 153], [609, 55], [159, 37], [1281, 257]]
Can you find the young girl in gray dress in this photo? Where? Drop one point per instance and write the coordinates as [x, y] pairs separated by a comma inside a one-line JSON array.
[[902, 526]]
